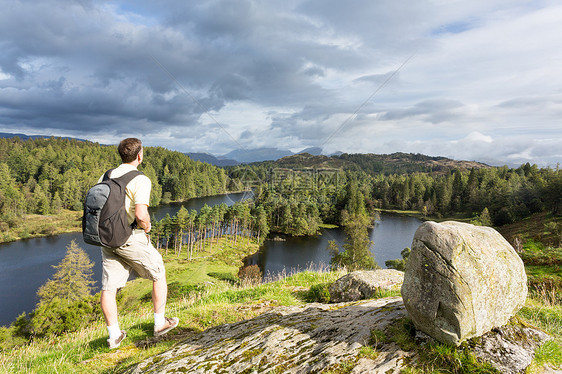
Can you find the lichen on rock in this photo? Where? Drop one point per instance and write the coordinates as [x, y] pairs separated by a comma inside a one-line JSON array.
[[298, 339], [359, 285], [461, 281]]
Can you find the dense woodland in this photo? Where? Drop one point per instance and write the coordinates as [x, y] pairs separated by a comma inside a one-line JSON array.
[[45, 175], [315, 194], [293, 196]]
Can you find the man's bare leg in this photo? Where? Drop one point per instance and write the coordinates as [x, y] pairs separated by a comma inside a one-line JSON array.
[[109, 307], [159, 295], [162, 324]]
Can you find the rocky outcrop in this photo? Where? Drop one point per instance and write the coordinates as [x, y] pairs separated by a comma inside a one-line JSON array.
[[360, 285], [461, 281], [349, 337], [510, 349], [299, 339]]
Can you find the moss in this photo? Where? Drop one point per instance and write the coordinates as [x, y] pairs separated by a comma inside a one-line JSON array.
[[378, 338], [344, 367], [368, 352], [251, 353]]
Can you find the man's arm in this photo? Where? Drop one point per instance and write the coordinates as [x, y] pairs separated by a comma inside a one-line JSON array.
[[142, 217]]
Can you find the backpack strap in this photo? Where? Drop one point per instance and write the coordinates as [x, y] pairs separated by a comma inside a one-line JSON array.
[[106, 175], [127, 177], [124, 179]]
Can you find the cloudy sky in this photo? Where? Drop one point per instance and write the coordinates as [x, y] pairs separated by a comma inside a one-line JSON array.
[[472, 80]]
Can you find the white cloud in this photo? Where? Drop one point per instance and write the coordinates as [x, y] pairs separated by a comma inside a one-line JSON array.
[[475, 136], [484, 82]]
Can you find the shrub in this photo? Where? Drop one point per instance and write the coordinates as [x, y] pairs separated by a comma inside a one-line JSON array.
[[547, 289], [8, 338], [318, 293], [227, 277], [250, 274], [59, 316]]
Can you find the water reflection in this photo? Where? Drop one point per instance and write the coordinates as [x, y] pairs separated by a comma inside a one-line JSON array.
[[391, 234]]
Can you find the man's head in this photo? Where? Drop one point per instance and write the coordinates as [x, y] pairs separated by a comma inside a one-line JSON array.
[[129, 149]]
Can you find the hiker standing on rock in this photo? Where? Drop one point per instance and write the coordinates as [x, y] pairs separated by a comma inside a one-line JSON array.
[[137, 255]]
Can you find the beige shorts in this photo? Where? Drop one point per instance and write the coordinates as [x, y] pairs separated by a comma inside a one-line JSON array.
[[137, 255]]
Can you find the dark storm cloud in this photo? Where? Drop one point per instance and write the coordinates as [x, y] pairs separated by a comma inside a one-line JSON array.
[[216, 52], [197, 74]]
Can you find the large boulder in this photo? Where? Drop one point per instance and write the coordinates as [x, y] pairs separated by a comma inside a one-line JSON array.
[[461, 281], [360, 285]]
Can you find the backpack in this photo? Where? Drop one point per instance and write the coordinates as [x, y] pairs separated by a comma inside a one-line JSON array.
[[105, 222]]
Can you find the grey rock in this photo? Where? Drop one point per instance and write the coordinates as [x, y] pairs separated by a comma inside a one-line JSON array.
[[300, 339], [461, 281], [316, 338], [510, 349], [360, 285]]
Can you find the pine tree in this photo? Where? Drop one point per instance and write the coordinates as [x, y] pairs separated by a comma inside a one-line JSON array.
[[73, 279], [357, 253]]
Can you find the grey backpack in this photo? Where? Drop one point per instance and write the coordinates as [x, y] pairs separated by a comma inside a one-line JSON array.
[[105, 222]]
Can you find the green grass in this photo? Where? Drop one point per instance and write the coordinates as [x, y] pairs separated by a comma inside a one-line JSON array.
[[543, 265], [35, 225], [203, 294], [549, 319], [206, 292], [432, 357]]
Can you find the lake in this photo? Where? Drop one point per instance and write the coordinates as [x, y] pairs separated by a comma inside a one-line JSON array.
[[391, 234], [27, 264]]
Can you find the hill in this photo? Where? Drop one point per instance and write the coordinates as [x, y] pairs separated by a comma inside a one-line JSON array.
[[395, 163], [228, 326], [210, 159], [406, 163], [26, 137]]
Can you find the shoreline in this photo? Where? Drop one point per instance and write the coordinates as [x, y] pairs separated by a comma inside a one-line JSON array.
[[32, 226]]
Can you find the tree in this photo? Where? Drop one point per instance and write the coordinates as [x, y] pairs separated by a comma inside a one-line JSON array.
[[182, 222], [65, 301], [399, 264], [357, 247], [73, 279], [483, 219], [261, 224]]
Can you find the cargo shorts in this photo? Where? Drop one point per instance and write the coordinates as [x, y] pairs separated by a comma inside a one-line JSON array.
[[137, 256]]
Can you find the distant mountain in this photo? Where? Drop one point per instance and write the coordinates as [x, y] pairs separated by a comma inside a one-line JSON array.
[[247, 156], [210, 159], [256, 155], [26, 137], [315, 151], [306, 160]]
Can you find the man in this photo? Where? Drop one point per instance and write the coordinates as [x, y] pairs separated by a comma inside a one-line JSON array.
[[137, 255]]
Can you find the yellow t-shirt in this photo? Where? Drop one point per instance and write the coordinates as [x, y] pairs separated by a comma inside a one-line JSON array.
[[136, 192]]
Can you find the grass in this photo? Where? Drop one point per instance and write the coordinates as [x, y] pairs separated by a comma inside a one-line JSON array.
[[548, 318], [327, 226], [35, 225], [204, 293]]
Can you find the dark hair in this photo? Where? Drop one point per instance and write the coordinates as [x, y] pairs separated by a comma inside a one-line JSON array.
[[129, 149]]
